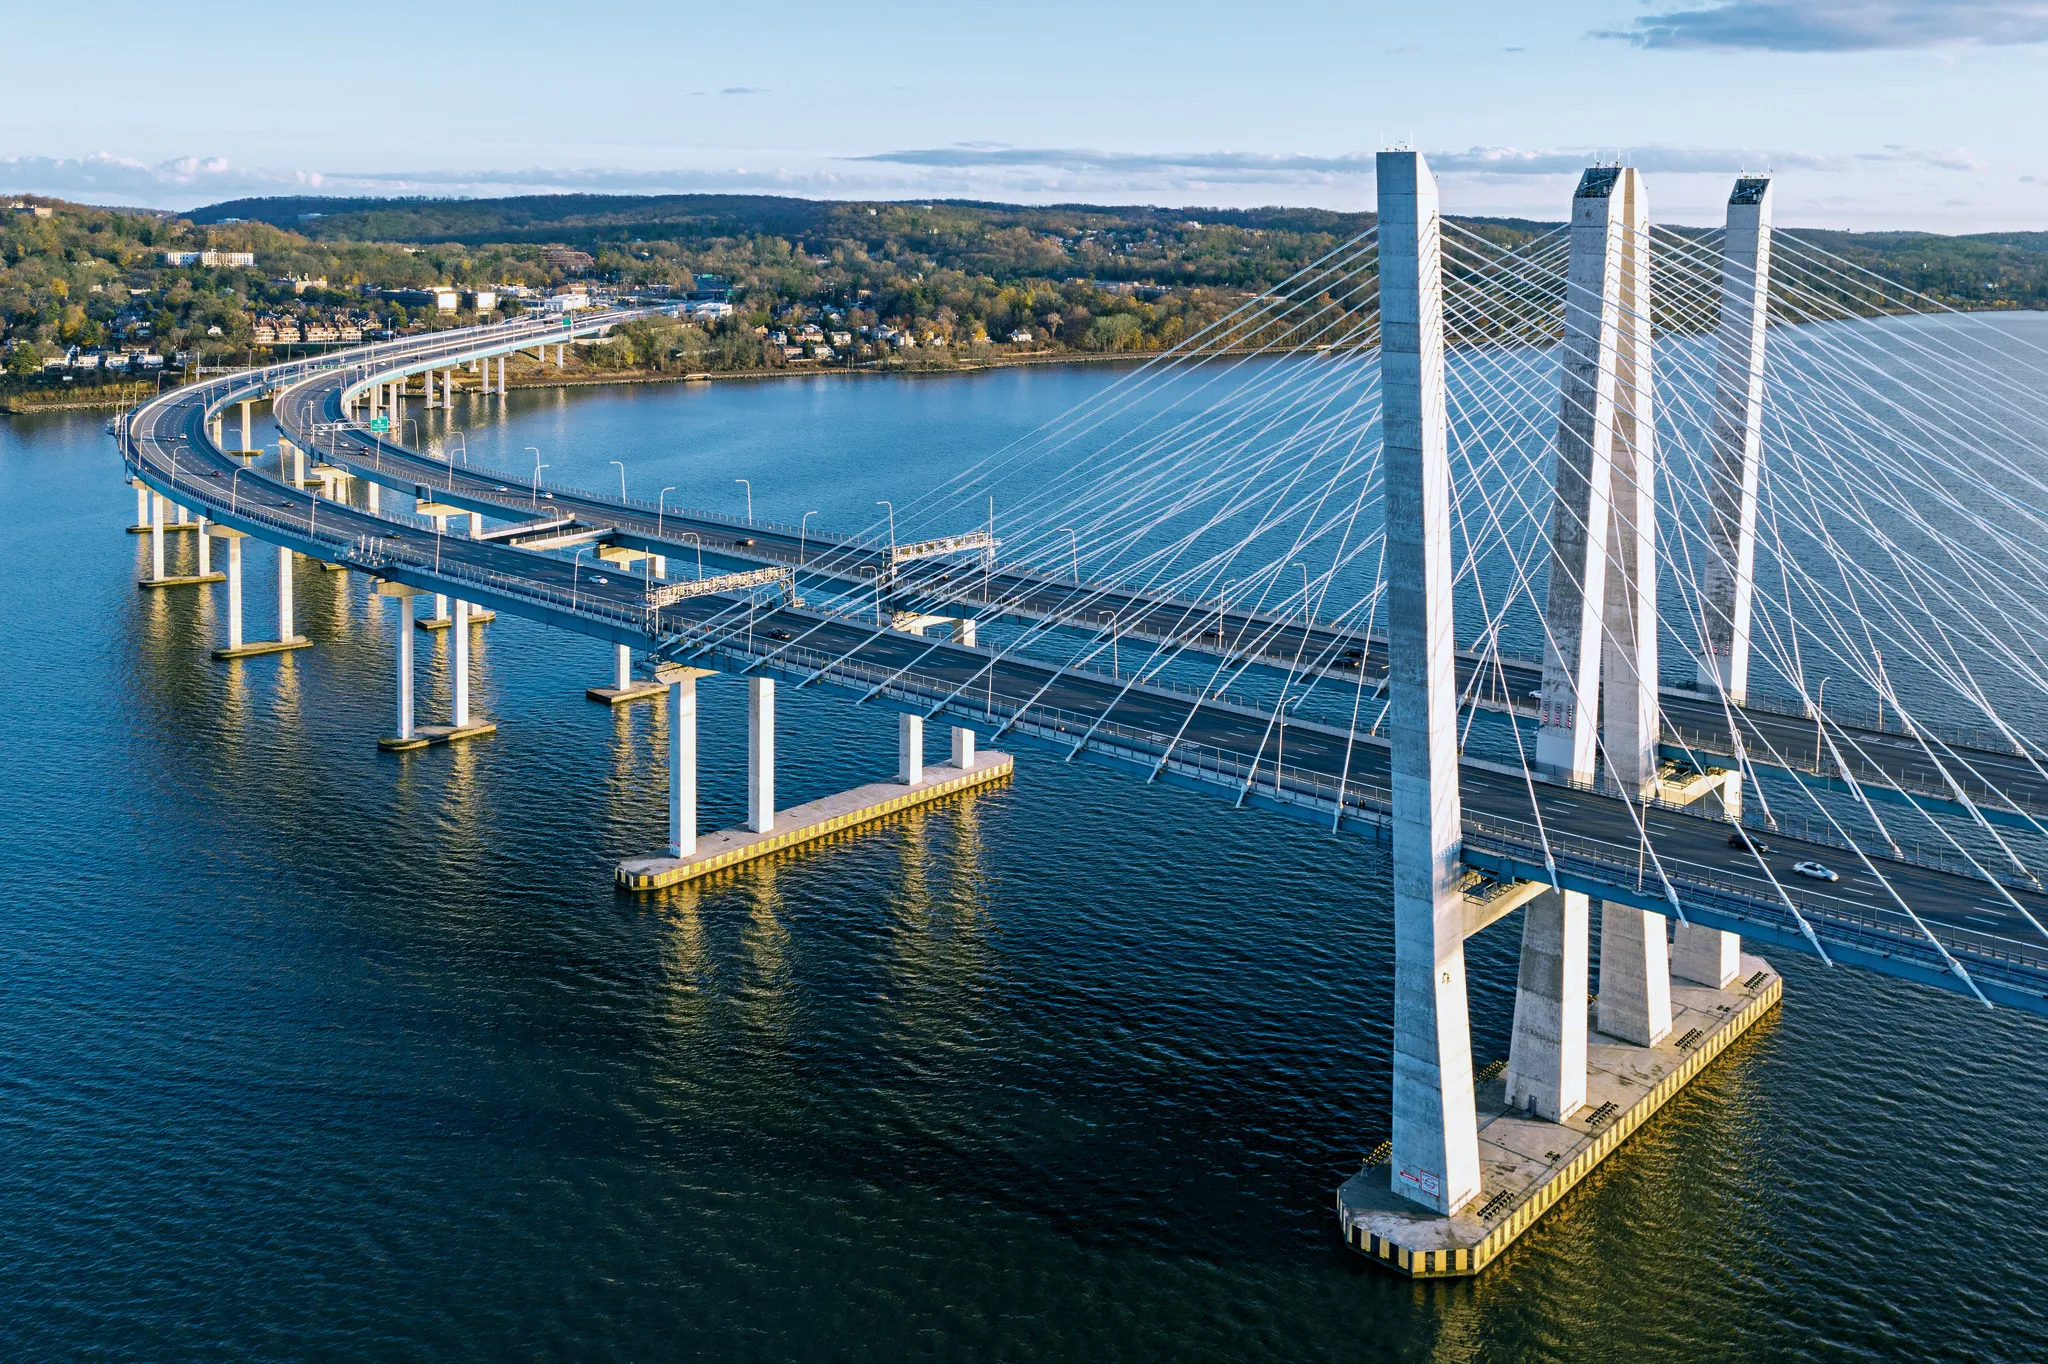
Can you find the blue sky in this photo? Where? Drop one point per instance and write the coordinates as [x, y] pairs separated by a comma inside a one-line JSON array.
[[1888, 113]]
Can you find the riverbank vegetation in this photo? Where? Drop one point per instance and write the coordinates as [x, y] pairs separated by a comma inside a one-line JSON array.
[[92, 296]]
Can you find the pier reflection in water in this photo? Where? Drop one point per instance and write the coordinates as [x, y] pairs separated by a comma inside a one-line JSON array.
[[305, 1045]]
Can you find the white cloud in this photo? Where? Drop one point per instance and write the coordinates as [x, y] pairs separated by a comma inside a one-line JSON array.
[[1841, 25]]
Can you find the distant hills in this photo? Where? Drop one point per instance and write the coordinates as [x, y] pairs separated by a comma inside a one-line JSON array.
[[2007, 269]]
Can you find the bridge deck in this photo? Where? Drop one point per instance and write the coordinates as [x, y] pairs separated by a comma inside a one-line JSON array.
[[1581, 839]]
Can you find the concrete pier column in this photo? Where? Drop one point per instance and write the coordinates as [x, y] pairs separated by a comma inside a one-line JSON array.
[[1579, 515], [213, 430], [559, 350], [501, 374], [1738, 432], [205, 554], [963, 631], [156, 536], [1635, 975], [622, 666], [370, 495], [1547, 1057], [760, 754], [235, 593], [141, 503], [661, 566], [284, 593], [682, 766], [245, 425], [184, 517], [1435, 1158], [447, 388], [405, 617], [459, 665], [963, 748], [1629, 714], [1705, 955], [910, 749]]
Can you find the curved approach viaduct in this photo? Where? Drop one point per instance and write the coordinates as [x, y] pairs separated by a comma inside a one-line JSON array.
[[1593, 840]]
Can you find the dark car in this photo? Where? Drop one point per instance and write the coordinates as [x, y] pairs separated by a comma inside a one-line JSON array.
[[780, 634], [744, 540], [1742, 840]]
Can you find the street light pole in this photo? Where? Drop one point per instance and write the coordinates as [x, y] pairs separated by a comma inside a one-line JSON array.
[[661, 508], [622, 479], [1074, 545], [803, 529], [750, 499]]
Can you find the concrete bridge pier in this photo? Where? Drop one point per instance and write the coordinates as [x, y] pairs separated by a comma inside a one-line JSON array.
[[1546, 1073], [404, 739], [459, 667], [624, 688], [245, 424], [158, 577], [760, 754], [284, 593], [909, 749], [501, 375], [238, 646]]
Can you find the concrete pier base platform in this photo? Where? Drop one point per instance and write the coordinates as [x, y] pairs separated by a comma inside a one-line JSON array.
[[428, 736], [170, 527], [182, 580], [432, 623], [265, 646], [814, 820], [639, 691], [1526, 1163]]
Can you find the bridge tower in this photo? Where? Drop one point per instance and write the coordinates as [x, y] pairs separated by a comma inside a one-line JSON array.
[[1435, 1158], [1738, 432]]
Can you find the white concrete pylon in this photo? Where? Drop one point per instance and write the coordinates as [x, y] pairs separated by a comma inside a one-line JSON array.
[[1579, 506], [1705, 955], [1635, 975], [910, 749], [1546, 1072], [141, 503], [284, 594], [1435, 1131], [1738, 432], [761, 754], [682, 766], [235, 592], [156, 536], [405, 619], [205, 554], [245, 426], [622, 667], [459, 664], [1629, 711], [963, 738]]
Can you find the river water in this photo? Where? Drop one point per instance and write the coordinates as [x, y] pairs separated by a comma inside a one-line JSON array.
[[311, 1052]]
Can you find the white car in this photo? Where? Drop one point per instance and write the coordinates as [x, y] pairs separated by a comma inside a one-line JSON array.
[[1814, 871]]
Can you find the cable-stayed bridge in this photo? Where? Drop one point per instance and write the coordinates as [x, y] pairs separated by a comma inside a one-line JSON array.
[[1535, 557]]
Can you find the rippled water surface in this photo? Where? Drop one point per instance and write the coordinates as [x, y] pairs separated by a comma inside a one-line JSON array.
[[308, 1051]]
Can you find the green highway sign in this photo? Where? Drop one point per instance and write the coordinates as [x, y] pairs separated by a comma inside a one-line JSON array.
[[380, 424]]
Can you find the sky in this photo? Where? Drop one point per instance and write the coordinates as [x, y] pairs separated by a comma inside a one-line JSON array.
[[1870, 113]]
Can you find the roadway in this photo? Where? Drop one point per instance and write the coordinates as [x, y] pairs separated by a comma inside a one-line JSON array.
[[2008, 786]]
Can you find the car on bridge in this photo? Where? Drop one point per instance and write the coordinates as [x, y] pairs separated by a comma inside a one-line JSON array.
[[1815, 871]]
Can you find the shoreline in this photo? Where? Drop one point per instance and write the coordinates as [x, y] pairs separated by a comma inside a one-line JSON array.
[[10, 408]]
